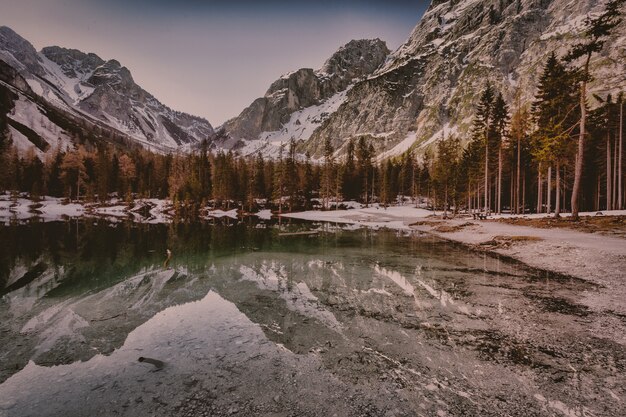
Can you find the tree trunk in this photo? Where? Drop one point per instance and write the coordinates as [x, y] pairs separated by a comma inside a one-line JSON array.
[[549, 201], [620, 201], [598, 193], [539, 191], [487, 169], [445, 209], [469, 196], [511, 193], [614, 198], [557, 209], [608, 172], [366, 188], [500, 179], [519, 150], [524, 193], [578, 173]]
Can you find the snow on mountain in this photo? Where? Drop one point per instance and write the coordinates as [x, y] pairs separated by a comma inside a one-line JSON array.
[[103, 92], [434, 79], [300, 127], [402, 100], [301, 101]]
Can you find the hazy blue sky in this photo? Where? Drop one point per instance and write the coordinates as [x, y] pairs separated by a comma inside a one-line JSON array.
[[213, 57]]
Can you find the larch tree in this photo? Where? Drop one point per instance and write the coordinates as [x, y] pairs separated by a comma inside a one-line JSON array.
[[73, 171], [127, 174]]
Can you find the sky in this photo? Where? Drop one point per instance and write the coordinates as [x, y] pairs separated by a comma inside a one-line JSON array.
[[210, 58]]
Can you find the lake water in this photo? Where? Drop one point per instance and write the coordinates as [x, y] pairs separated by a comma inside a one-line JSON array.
[[249, 319]]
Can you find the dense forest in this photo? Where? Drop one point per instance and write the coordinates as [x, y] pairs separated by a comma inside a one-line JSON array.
[[555, 154]]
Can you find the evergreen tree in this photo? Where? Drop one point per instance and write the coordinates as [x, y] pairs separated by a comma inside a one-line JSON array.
[[554, 116], [349, 187], [327, 181], [520, 127], [291, 175], [364, 168], [446, 169], [306, 180], [279, 180], [259, 177], [597, 30], [500, 134], [481, 129]]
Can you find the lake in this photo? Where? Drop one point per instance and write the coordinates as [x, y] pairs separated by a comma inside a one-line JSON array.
[[255, 318]]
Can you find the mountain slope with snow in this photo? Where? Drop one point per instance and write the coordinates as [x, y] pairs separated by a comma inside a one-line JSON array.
[[299, 102], [431, 84], [103, 92]]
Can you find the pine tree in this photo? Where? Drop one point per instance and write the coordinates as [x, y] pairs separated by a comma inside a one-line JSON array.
[[279, 179], [554, 115], [520, 126], [327, 181], [445, 170], [259, 177], [364, 167], [481, 129], [306, 180], [500, 134], [291, 175], [596, 33], [349, 187], [620, 173]]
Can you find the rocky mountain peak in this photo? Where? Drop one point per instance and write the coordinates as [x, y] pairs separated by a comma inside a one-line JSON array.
[[306, 89], [430, 84], [83, 84], [356, 58], [72, 61], [113, 74], [18, 51]]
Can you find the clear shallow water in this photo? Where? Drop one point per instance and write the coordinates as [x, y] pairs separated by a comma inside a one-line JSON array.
[[249, 322]]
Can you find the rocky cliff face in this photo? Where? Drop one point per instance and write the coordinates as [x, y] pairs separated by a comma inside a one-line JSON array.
[[432, 82], [102, 91], [300, 101]]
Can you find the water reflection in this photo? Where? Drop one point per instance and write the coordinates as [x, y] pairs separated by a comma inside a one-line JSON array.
[[241, 304]]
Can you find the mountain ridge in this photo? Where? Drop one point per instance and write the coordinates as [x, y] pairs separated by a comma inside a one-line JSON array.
[[87, 85]]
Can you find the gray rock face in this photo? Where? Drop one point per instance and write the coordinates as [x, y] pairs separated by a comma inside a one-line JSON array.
[[17, 51], [434, 79], [305, 88], [72, 61], [89, 86]]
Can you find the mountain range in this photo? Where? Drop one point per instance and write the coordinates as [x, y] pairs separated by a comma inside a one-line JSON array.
[[400, 100]]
